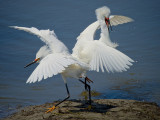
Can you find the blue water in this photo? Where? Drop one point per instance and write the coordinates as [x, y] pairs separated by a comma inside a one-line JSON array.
[[140, 40]]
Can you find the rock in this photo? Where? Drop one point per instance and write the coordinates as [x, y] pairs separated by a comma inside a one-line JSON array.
[[102, 109]]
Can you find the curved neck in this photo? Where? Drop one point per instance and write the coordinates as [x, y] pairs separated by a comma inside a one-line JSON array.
[[105, 34], [104, 31]]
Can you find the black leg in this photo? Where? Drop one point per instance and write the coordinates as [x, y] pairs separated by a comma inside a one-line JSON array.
[[85, 84], [89, 88], [52, 108], [66, 97], [87, 80]]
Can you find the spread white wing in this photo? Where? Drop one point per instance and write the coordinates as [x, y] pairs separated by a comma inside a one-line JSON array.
[[47, 36], [118, 19], [101, 54], [89, 32], [85, 36], [51, 65], [105, 57]]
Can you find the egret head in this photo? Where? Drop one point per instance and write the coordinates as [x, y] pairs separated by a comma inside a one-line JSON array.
[[103, 15], [43, 52]]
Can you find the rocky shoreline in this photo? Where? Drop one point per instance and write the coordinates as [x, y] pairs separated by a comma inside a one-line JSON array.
[[102, 109]]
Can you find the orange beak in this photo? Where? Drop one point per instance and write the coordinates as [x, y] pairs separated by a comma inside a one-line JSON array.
[[32, 62], [108, 23]]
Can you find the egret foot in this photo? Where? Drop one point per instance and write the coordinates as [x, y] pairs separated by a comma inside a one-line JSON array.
[[51, 109]]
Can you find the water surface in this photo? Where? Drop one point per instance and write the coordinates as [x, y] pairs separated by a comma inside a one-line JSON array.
[[140, 40]]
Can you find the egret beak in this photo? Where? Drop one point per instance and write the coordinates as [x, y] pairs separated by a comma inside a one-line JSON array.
[[32, 62], [108, 23]]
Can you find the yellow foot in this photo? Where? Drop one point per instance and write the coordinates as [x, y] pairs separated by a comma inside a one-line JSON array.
[[50, 109], [89, 107]]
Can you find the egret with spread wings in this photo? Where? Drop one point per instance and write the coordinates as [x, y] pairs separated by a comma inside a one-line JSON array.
[[101, 54], [88, 54]]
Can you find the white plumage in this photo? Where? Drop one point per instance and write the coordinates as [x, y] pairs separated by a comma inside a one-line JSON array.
[[51, 65], [101, 54], [88, 54], [54, 57]]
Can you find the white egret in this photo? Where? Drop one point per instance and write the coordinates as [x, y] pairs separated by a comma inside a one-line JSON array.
[[88, 54], [54, 58]]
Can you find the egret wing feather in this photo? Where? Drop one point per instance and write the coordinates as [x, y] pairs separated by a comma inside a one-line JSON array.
[[107, 57], [89, 32], [47, 36], [86, 35], [51, 65], [118, 19]]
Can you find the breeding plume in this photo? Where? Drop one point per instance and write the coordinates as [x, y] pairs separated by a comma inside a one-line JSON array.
[[88, 54]]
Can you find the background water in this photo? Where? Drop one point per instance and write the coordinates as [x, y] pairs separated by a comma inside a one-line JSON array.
[[140, 40]]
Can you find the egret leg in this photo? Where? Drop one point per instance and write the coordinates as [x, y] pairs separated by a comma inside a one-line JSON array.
[[54, 107], [89, 90], [87, 80]]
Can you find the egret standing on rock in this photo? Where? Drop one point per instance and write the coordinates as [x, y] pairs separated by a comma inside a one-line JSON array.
[[88, 54]]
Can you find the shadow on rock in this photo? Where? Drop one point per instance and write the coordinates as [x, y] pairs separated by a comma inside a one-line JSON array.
[[96, 107]]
